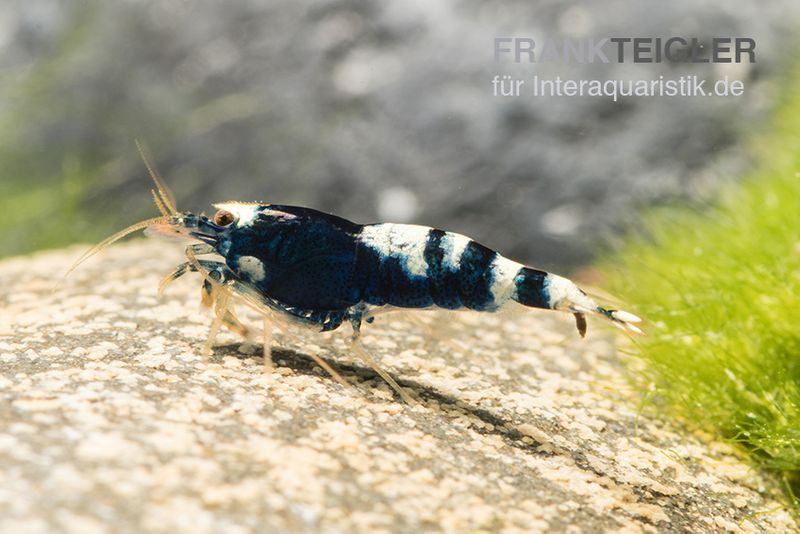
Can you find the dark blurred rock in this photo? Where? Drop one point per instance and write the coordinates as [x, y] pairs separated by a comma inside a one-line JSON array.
[[351, 105]]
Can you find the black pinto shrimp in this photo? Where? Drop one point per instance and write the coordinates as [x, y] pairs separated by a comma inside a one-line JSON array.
[[299, 265]]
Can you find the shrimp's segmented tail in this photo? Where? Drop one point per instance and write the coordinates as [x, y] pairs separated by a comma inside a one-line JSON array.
[[621, 319], [539, 289]]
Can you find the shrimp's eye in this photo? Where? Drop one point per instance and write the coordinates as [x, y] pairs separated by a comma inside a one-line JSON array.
[[223, 218]]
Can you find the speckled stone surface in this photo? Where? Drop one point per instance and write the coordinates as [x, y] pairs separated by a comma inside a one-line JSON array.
[[110, 420]]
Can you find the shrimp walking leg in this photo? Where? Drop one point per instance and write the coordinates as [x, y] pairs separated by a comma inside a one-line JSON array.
[[355, 316], [267, 337], [257, 302], [208, 292]]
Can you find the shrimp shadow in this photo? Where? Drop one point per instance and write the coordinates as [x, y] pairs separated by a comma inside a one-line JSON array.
[[495, 424], [305, 365]]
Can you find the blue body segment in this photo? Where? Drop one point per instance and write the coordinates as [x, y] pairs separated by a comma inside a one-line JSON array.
[[476, 277], [308, 258], [444, 280], [321, 267], [532, 288]]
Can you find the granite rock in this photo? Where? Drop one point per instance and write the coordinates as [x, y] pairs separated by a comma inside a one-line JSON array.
[[110, 420]]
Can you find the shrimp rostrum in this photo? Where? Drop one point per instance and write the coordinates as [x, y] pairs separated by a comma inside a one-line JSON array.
[[301, 265]]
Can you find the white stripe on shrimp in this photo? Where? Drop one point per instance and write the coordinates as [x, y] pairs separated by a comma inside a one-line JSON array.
[[245, 213], [504, 286], [563, 293], [453, 245], [406, 242]]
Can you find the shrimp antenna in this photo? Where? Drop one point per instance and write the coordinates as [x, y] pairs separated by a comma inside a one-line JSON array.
[[114, 238], [165, 202], [164, 198], [160, 203]]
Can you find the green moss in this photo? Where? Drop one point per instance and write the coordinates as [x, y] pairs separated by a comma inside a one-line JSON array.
[[721, 292]]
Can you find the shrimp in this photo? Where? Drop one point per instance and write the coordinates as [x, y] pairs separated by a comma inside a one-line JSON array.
[[299, 265]]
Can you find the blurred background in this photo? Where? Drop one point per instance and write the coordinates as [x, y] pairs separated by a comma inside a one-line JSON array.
[[377, 111]]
